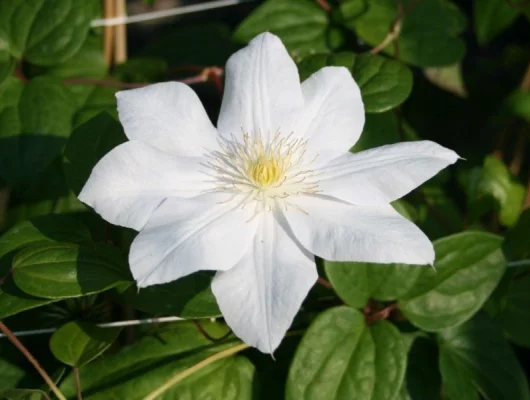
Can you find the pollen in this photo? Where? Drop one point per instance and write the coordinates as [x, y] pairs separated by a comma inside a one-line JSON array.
[[265, 171], [268, 171]]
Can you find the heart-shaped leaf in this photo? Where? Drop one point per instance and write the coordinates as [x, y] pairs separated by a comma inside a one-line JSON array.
[[340, 355]]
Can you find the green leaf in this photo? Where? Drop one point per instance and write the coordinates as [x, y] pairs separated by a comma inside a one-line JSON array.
[[429, 30], [518, 104], [301, 24], [49, 228], [13, 300], [44, 32], [77, 343], [7, 64], [134, 372], [23, 394], [63, 270], [491, 18], [467, 269], [188, 297], [93, 100], [10, 374], [88, 62], [476, 354], [379, 130], [45, 229], [515, 308], [384, 83], [494, 184], [340, 355], [34, 122], [87, 145], [449, 78], [356, 283]]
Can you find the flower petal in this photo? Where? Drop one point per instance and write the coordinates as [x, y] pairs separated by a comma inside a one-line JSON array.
[[168, 116], [131, 181], [260, 296], [262, 89], [333, 116], [383, 174], [337, 231], [208, 232]]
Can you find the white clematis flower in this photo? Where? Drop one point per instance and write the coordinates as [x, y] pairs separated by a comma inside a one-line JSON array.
[[255, 198]]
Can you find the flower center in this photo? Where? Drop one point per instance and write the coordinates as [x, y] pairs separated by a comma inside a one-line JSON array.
[[267, 171]]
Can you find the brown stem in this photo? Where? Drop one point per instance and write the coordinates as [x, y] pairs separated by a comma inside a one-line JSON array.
[[208, 336], [32, 360], [517, 160], [371, 317], [78, 383], [518, 5], [393, 31], [324, 283], [19, 73], [324, 5], [209, 73]]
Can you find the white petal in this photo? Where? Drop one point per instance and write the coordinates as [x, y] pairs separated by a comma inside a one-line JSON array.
[[131, 181], [168, 116], [383, 174], [333, 116], [337, 231], [260, 296], [262, 89], [208, 232]]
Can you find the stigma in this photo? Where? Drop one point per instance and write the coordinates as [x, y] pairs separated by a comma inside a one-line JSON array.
[[263, 170]]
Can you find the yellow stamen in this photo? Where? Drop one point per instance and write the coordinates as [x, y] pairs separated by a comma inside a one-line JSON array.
[[265, 171]]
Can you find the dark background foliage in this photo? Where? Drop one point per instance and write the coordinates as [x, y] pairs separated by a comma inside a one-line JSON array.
[[453, 71]]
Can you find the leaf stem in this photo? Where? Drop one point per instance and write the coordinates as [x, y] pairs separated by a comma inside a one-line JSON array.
[[32, 360], [78, 383], [184, 374]]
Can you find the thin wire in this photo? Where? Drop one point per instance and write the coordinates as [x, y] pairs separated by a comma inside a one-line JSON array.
[[148, 16], [115, 324]]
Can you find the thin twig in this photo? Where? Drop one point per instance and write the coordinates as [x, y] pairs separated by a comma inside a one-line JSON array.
[[324, 5], [515, 5], [78, 383], [208, 73], [324, 283], [519, 150], [32, 360], [395, 28], [393, 31], [384, 313], [208, 336]]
